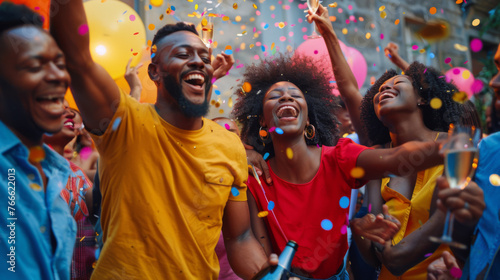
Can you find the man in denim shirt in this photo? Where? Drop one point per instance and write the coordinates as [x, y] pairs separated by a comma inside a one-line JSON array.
[[37, 230]]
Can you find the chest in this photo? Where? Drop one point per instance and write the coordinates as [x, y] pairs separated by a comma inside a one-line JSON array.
[[404, 185]]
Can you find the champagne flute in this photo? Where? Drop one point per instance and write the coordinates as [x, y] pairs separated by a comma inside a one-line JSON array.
[[207, 30], [460, 162], [313, 7]]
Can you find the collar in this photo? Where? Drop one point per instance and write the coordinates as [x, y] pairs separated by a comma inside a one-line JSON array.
[[8, 140]]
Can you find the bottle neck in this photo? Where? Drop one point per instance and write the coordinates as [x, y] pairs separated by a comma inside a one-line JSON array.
[[285, 258]]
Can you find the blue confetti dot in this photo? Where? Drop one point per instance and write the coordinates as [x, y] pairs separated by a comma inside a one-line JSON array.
[[270, 205], [217, 92], [279, 130], [344, 202], [266, 26], [431, 55], [333, 82], [235, 191], [150, 7], [172, 7], [153, 55], [97, 253], [266, 155], [116, 123], [326, 224], [228, 52], [263, 48]]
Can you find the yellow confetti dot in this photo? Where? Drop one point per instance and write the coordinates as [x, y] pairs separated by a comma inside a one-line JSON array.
[[396, 22], [221, 111], [212, 102], [230, 102], [357, 172], [466, 74], [196, 7], [252, 19], [333, 5], [35, 187], [272, 7], [383, 14], [344, 31], [247, 87], [204, 21], [368, 35], [476, 22], [94, 264], [237, 18], [243, 46], [272, 46], [37, 154], [345, 135], [161, 16], [262, 214], [289, 48], [381, 8], [254, 6], [151, 26], [460, 97], [432, 10], [281, 25], [156, 3], [251, 46], [225, 18], [82, 239], [235, 6], [436, 103], [217, 104], [495, 180], [421, 51], [289, 153]]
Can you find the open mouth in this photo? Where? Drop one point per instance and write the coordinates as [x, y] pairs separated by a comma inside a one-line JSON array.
[[69, 123], [287, 112], [51, 103], [387, 95], [195, 80]]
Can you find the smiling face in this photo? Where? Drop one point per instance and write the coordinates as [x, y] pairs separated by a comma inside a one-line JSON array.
[[33, 82], [184, 72], [285, 106], [395, 94]]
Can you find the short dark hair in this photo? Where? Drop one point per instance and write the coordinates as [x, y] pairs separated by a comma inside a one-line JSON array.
[[428, 83], [12, 15], [171, 28], [302, 72]]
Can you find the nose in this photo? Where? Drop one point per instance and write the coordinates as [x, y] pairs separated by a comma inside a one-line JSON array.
[[196, 61], [56, 74], [385, 87], [286, 97]]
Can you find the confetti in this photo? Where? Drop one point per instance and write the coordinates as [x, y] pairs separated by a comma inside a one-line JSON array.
[[428, 255], [289, 153], [228, 52], [116, 123], [466, 74], [151, 26], [447, 60], [279, 130], [369, 208], [343, 229], [35, 187], [436, 103], [344, 202], [357, 172], [477, 86], [272, 129], [235, 191], [460, 97], [455, 272], [217, 92], [381, 8], [266, 155], [263, 133], [476, 45], [326, 224], [432, 10], [414, 47], [37, 154], [396, 22], [235, 6], [84, 29], [157, 3], [270, 206], [262, 214], [383, 14], [495, 180], [368, 35]]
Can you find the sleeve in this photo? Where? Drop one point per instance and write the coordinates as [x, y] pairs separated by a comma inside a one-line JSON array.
[[119, 130], [240, 171], [346, 155]]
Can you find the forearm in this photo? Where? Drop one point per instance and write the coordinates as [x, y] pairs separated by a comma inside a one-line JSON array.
[[135, 92], [246, 256]]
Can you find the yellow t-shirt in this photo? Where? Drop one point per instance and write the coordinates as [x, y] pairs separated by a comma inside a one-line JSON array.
[[412, 214], [164, 192]]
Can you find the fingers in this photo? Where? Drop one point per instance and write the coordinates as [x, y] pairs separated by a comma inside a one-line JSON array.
[[273, 259], [128, 64], [449, 260], [265, 169]]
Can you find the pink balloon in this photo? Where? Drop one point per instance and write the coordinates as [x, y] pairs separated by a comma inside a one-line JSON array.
[[316, 49], [456, 75]]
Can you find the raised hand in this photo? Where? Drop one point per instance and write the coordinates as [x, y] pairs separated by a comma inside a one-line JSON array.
[[132, 78], [221, 64], [440, 268], [321, 19], [380, 228]]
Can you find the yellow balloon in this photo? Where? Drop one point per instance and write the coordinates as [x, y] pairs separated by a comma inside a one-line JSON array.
[[116, 34]]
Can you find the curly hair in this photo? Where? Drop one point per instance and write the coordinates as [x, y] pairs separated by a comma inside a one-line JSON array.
[[428, 83], [302, 72], [171, 28], [12, 15]]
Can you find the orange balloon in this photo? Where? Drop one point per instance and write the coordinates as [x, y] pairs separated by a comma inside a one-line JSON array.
[[42, 7]]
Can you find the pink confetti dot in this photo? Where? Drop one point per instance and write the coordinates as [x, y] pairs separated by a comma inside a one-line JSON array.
[[382, 36], [477, 86], [37, 8], [476, 45], [131, 17], [456, 71], [414, 47], [347, 21], [290, 34], [305, 37], [282, 38], [280, 2], [447, 60], [83, 29], [257, 13], [258, 44], [340, 10], [273, 16], [286, 7], [304, 29], [352, 18], [300, 20], [343, 229], [456, 272], [256, 57], [227, 126], [315, 51], [349, 7]]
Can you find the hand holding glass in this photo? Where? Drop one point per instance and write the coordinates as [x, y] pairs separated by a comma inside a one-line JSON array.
[[313, 7]]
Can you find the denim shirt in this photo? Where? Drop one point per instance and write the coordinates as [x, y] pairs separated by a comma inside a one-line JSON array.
[[37, 230], [484, 258]]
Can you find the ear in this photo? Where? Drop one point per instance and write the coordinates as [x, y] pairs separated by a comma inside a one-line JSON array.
[[153, 72], [421, 101]]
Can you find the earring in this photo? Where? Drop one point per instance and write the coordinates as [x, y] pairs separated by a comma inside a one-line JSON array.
[[263, 135], [310, 132]]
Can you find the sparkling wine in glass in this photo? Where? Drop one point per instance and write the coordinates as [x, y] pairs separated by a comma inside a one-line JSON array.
[[460, 162], [313, 7], [207, 30]]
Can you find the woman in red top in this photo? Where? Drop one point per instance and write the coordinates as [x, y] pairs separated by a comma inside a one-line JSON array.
[[286, 109]]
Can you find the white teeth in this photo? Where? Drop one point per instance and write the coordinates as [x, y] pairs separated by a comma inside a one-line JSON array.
[[51, 97], [387, 95], [195, 77], [282, 110]]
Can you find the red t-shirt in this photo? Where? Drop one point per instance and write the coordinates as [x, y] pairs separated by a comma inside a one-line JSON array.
[[301, 208]]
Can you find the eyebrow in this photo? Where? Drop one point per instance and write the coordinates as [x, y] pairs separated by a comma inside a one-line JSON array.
[[40, 57], [187, 46], [281, 89]]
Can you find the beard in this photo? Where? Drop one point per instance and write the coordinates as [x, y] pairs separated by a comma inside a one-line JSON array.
[[188, 108]]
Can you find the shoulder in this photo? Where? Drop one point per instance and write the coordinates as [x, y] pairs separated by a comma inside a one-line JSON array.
[[491, 142], [221, 133]]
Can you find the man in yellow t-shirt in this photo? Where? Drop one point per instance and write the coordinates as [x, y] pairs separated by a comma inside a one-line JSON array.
[[170, 179]]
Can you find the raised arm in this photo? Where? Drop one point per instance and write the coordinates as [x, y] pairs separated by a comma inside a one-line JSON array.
[[392, 52], [346, 82], [95, 92], [244, 252]]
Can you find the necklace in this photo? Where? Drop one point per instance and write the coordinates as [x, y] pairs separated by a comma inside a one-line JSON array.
[[437, 135]]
